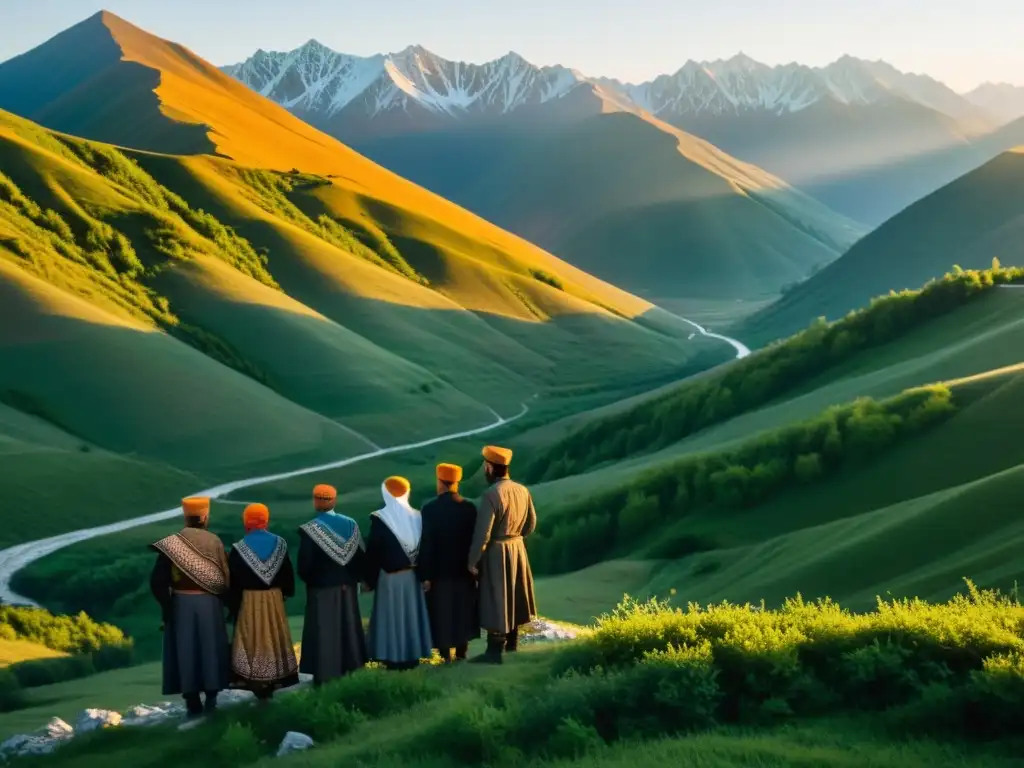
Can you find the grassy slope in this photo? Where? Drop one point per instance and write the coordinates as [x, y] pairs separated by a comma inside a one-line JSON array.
[[968, 222], [866, 161], [396, 739], [345, 344], [631, 200], [14, 651]]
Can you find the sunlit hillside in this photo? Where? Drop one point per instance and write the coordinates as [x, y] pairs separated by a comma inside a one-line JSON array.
[[172, 320]]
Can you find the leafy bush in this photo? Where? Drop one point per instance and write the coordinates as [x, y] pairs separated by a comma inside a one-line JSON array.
[[757, 379], [747, 664], [238, 745], [69, 634], [759, 468]]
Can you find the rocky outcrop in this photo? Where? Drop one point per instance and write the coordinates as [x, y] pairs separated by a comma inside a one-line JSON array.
[[294, 741]]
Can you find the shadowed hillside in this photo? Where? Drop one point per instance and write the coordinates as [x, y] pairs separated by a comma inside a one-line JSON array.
[[629, 199], [968, 223]]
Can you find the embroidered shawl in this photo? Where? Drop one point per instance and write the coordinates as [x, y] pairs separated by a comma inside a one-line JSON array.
[[200, 555], [337, 535], [264, 553]]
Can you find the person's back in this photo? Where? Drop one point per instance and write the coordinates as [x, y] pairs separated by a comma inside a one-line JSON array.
[[514, 513], [263, 656], [331, 563], [448, 524], [189, 580], [506, 516]]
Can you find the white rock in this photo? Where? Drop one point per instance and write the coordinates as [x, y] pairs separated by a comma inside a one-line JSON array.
[[294, 741], [57, 729], [15, 744], [91, 719], [542, 629]]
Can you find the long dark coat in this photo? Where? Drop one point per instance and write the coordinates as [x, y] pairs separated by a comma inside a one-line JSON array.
[[448, 523], [505, 516]]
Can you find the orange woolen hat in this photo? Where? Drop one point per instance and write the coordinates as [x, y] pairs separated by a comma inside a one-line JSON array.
[[496, 455], [324, 497], [196, 506], [397, 486], [449, 473], [256, 516]]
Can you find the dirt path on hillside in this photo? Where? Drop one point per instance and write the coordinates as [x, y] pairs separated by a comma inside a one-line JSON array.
[[13, 559]]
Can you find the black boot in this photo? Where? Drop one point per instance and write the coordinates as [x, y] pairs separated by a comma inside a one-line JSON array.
[[512, 641], [211, 701], [193, 704], [495, 645], [461, 652]]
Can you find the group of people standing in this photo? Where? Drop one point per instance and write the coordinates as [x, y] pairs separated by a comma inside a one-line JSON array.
[[437, 576]]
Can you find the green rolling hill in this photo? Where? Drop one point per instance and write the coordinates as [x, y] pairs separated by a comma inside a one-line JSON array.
[[629, 199], [970, 221], [169, 320]]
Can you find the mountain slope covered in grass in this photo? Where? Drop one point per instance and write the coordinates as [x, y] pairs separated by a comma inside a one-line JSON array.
[[969, 222], [630, 199], [286, 317]]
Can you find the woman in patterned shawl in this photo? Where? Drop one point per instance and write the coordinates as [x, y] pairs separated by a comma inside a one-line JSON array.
[[262, 654], [331, 563]]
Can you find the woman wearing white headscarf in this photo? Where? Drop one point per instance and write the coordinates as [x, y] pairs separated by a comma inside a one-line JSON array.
[[399, 625]]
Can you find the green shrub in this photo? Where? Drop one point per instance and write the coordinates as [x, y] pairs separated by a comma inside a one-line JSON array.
[[747, 664], [238, 745]]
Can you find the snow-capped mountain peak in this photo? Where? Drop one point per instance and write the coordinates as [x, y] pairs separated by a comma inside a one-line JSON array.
[[320, 83]]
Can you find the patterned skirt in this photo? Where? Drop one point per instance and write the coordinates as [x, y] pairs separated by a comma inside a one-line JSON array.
[[262, 654]]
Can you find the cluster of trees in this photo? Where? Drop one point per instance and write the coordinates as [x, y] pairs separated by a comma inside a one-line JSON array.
[[757, 379], [68, 634], [612, 522], [547, 278], [93, 647]]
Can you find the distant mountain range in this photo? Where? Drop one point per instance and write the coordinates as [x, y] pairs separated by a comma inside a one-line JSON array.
[[863, 137], [1003, 101], [317, 80]]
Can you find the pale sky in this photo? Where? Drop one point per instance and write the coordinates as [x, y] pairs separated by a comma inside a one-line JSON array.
[[959, 42]]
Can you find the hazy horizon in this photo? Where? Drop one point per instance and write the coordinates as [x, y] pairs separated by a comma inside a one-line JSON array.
[[962, 47]]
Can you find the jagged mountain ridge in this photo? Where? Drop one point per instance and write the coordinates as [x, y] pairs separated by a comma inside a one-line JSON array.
[[1003, 101], [315, 79]]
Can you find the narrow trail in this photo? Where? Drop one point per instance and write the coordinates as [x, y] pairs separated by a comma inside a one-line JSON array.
[[742, 350], [13, 559]]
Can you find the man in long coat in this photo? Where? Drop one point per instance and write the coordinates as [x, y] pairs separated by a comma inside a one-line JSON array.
[[505, 516], [190, 581], [331, 562], [448, 523]]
